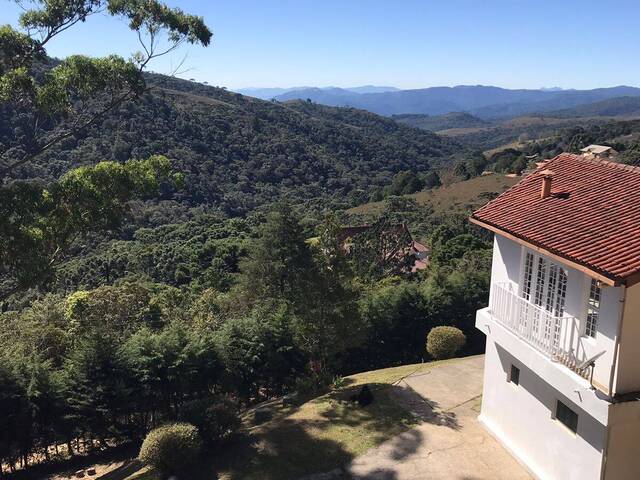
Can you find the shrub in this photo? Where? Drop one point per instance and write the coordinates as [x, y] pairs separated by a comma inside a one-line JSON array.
[[444, 342], [216, 419], [171, 449]]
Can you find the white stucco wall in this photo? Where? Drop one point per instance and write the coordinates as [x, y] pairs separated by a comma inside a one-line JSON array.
[[521, 417], [623, 450], [507, 258], [628, 370]]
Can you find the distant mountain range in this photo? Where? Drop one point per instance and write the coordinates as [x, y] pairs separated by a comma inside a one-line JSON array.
[[485, 102], [269, 93], [612, 107]]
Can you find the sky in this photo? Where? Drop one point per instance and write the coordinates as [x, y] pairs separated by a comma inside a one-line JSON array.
[[402, 43]]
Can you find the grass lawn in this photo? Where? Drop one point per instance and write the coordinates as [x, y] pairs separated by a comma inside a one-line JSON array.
[[318, 435]]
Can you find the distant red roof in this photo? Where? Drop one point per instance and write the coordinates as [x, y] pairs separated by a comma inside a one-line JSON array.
[[418, 247], [592, 217]]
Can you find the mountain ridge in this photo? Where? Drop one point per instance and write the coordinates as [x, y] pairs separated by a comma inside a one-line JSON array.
[[485, 102]]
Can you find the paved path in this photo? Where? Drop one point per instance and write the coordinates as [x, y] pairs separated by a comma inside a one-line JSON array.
[[450, 444]]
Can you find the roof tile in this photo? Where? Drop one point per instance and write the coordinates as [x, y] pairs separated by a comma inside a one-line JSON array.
[[591, 218]]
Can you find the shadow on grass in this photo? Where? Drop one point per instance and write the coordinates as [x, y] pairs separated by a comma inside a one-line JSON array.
[[322, 435], [123, 471], [301, 445]]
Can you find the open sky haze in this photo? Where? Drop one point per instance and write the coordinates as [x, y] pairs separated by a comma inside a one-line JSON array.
[[405, 43]]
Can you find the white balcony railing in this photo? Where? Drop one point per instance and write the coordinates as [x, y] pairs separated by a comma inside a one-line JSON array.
[[557, 337]]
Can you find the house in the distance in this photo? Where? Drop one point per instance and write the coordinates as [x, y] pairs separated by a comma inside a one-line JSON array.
[[402, 243], [562, 364], [599, 151]]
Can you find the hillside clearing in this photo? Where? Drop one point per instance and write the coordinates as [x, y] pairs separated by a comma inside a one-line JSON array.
[[457, 197]]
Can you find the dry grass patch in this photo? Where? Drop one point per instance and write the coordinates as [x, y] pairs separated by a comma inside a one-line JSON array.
[[457, 197]]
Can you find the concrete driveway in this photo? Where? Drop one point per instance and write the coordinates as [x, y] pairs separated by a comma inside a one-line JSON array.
[[450, 444]]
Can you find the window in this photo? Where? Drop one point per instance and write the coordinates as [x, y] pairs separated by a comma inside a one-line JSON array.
[[593, 309], [514, 375], [528, 275], [566, 416]]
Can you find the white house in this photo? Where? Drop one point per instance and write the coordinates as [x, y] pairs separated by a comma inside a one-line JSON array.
[[562, 364]]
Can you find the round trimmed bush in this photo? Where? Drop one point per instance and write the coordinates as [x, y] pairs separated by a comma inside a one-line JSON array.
[[217, 419], [171, 449], [444, 342]]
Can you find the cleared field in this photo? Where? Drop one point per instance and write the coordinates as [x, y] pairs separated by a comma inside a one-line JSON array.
[[458, 197]]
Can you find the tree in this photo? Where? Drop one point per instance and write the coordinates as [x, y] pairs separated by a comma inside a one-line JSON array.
[[38, 224], [456, 247], [279, 264], [259, 352], [432, 179], [79, 90], [328, 321], [54, 101]]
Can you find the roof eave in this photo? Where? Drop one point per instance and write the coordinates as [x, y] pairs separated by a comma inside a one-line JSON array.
[[608, 280]]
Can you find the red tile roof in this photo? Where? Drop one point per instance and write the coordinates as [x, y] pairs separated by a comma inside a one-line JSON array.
[[592, 217]]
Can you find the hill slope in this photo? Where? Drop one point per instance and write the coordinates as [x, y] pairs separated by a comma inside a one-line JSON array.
[[440, 122], [613, 107], [239, 152], [458, 197]]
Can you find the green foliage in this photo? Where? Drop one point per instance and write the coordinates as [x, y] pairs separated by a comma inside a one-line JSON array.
[[279, 264], [404, 183], [152, 15], [17, 50], [509, 161], [217, 419], [432, 179], [396, 320], [83, 77], [309, 154], [456, 247], [77, 91], [171, 449], [38, 225], [444, 342], [259, 351]]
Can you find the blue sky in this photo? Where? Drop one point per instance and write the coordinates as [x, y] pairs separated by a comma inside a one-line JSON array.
[[404, 43]]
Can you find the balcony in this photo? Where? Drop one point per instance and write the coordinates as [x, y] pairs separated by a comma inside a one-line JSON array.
[[556, 337]]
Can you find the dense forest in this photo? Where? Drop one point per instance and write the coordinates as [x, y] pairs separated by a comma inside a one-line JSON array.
[[237, 153]]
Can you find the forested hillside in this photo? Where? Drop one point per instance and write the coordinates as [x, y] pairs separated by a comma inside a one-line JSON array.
[[237, 152], [440, 122]]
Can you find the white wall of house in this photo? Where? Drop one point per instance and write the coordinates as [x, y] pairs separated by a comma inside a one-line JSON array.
[[522, 417], [507, 267], [628, 370], [623, 450]]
